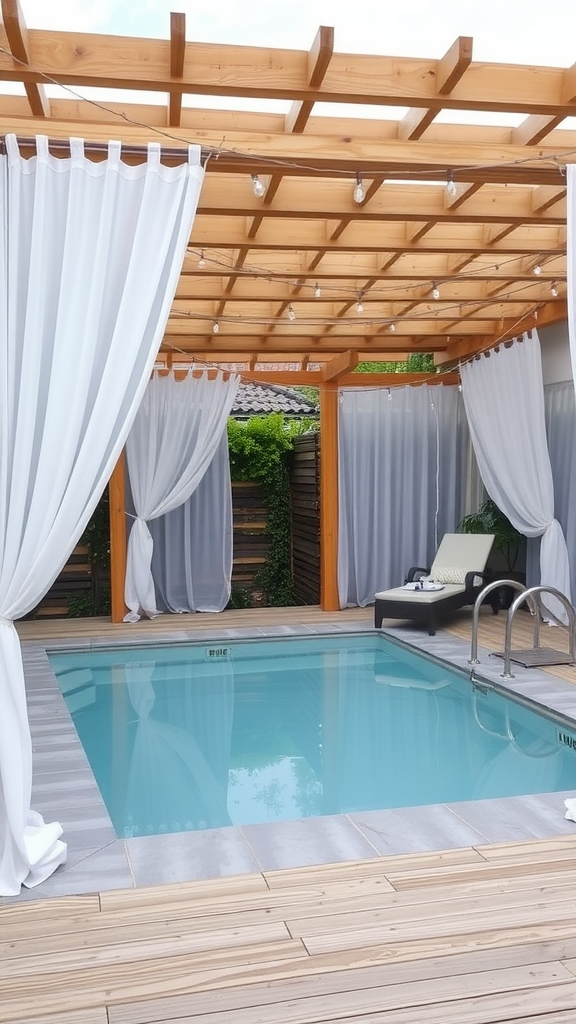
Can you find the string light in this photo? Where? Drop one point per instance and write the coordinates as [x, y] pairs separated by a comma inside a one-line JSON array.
[[359, 306], [392, 327], [450, 183], [554, 290], [290, 313], [201, 260], [257, 187], [359, 194], [537, 270], [317, 291], [435, 290], [215, 327]]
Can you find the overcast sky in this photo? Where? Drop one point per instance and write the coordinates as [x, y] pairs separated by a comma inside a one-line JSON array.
[[512, 31]]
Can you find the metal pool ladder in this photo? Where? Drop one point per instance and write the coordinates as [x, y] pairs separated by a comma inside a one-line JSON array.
[[538, 656]]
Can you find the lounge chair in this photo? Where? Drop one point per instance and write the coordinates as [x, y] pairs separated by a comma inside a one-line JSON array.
[[458, 569]]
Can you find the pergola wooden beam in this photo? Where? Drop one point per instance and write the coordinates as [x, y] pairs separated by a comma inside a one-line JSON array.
[[339, 366], [451, 68], [177, 53], [318, 62], [17, 36], [140, 64]]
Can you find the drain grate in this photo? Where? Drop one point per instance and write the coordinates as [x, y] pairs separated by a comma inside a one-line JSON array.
[[537, 656]]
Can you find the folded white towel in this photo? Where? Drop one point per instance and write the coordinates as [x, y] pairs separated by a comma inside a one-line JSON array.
[[423, 585]]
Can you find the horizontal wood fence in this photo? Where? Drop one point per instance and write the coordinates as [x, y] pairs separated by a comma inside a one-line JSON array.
[[251, 543], [305, 488]]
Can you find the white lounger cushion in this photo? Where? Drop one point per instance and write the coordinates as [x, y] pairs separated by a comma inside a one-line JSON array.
[[422, 596]]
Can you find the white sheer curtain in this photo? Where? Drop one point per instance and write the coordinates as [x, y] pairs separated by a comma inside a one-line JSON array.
[[571, 263], [90, 258], [504, 399], [175, 435], [193, 544], [403, 479]]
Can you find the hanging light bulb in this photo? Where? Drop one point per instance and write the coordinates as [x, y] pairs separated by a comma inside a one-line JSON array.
[[392, 327], [215, 327], [317, 291], [257, 187], [537, 270], [201, 260], [290, 313], [359, 194], [554, 290], [435, 290], [450, 183], [359, 306]]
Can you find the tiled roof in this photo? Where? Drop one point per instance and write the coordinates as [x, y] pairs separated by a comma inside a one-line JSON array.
[[258, 399]]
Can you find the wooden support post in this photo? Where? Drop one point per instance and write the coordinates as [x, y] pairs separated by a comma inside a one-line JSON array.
[[117, 540], [329, 497]]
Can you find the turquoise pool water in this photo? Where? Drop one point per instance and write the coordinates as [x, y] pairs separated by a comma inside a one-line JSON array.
[[207, 735]]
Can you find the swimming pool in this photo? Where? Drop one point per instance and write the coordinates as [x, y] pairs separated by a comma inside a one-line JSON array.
[[198, 736]]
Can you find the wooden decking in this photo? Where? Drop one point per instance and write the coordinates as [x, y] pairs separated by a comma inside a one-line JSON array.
[[468, 936]]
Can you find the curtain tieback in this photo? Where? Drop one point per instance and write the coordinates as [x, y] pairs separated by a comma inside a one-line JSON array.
[[6, 622]]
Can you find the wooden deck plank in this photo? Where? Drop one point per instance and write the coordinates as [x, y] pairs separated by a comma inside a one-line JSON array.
[[379, 866], [261, 1005], [351, 979]]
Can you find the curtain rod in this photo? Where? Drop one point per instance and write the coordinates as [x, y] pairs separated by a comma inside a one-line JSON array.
[[129, 153]]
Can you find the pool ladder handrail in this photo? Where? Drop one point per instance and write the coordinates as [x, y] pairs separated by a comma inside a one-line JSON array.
[[517, 602], [528, 595], [495, 585]]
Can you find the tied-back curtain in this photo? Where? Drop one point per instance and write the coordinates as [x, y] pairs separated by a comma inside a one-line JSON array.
[[404, 461], [176, 432], [193, 545], [89, 261], [504, 399]]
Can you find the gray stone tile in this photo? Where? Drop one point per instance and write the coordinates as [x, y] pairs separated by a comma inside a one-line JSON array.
[[185, 856], [104, 869], [415, 829], [514, 818], [291, 844]]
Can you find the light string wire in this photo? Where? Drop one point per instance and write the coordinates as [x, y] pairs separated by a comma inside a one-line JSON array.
[[553, 159], [557, 160], [261, 273]]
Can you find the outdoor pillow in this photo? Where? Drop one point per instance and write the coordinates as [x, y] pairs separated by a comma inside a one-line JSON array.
[[455, 575]]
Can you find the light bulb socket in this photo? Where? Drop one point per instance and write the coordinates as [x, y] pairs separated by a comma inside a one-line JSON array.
[[215, 327], [435, 290], [554, 291], [317, 292], [257, 187], [201, 260], [290, 313], [358, 194], [537, 270]]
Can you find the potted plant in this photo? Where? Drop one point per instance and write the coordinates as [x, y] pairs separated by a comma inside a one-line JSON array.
[[509, 545]]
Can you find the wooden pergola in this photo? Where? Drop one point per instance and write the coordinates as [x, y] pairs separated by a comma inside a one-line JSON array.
[[323, 240]]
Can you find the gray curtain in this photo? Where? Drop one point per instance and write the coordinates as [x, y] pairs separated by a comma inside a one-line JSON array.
[[192, 558], [404, 480], [560, 414]]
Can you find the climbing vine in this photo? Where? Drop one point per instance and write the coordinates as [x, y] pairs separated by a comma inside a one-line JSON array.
[[259, 451]]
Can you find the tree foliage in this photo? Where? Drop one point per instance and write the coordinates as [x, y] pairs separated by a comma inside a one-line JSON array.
[[418, 362], [259, 450]]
